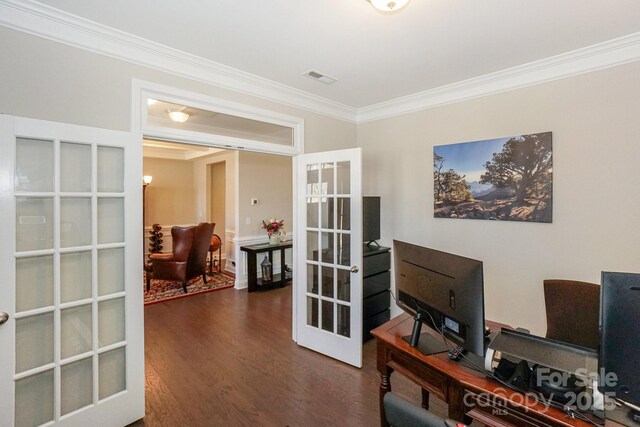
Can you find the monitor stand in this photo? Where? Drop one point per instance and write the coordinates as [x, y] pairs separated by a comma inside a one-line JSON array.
[[426, 342]]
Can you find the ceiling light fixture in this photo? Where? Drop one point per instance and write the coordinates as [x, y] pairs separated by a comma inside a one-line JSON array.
[[389, 5], [178, 116]]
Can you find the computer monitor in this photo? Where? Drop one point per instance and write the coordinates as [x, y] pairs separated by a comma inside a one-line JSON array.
[[445, 292], [370, 218], [619, 331]]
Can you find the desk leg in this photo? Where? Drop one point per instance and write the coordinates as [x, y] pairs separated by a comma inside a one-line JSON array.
[[456, 404], [425, 399], [385, 380], [385, 386]]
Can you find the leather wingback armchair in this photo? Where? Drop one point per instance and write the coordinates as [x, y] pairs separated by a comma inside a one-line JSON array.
[[188, 258], [573, 311]]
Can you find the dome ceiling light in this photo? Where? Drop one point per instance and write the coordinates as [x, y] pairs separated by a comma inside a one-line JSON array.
[[389, 5], [178, 116]]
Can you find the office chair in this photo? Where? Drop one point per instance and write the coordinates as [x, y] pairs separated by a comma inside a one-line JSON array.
[[573, 310], [402, 413]]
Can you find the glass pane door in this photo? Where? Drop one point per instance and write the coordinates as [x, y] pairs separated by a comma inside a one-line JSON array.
[[68, 311], [330, 301]]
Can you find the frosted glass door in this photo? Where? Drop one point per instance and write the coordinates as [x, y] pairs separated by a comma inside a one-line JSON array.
[[71, 291], [329, 290]]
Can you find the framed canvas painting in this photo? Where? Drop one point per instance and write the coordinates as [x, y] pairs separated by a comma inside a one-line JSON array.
[[503, 179]]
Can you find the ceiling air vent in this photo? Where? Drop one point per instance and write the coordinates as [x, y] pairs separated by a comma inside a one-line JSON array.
[[315, 75]]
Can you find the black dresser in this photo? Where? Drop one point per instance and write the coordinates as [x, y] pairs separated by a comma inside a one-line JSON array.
[[376, 284]]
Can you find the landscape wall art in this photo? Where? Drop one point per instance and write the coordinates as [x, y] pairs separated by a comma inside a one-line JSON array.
[[503, 179]]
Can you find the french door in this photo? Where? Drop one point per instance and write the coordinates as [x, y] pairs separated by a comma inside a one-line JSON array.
[[71, 262], [328, 284]]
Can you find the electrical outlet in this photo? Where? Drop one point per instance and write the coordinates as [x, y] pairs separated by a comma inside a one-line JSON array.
[[247, 220]]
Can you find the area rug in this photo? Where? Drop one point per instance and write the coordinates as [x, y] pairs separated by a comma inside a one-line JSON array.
[[164, 290]]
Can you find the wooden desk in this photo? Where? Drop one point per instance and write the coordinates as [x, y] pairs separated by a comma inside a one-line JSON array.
[[252, 251], [467, 391]]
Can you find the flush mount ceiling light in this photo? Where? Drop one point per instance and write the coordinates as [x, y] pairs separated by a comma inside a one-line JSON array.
[[178, 116], [389, 5]]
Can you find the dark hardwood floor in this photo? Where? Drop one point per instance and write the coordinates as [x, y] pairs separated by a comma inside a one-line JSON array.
[[226, 358]]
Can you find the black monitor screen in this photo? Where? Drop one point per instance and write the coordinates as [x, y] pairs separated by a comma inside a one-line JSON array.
[[446, 289], [370, 218], [619, 331]]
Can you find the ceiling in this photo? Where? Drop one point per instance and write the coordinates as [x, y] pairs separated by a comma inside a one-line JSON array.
[[175, 151], [375, 57]]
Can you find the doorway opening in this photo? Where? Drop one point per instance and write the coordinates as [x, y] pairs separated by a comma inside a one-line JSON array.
[[235, 190]]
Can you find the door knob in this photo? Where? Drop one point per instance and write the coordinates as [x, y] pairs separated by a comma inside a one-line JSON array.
[[4, 317], [355, 269]]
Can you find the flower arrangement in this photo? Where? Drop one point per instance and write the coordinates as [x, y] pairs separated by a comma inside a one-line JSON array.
[[273, 226]]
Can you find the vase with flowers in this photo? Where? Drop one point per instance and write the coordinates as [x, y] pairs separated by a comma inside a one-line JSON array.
[[275, 230]]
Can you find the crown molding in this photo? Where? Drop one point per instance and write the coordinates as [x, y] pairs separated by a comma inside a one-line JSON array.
[[41, 20], [53, 24], [599, 56]]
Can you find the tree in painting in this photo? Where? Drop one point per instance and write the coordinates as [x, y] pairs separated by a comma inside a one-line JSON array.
[[524, 165], [449, 186]]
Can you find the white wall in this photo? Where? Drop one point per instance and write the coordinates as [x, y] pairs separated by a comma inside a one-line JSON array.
[[595, 120], [169, 198], [268, 178]]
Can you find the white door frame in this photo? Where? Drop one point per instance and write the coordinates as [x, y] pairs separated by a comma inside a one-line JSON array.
[[142, 90]]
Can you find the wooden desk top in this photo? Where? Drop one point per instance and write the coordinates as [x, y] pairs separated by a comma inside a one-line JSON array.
[[391, 334]]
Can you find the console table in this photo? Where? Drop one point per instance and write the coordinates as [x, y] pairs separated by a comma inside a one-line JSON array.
[[252, 251], [486, 400]]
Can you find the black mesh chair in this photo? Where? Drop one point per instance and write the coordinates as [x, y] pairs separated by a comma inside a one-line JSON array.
[[402, 413]]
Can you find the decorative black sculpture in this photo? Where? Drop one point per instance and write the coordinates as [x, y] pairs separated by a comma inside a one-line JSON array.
[[155, 241]]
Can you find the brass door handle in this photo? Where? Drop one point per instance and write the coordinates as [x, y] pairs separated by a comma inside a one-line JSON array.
[[355, 269], [4, 317]]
